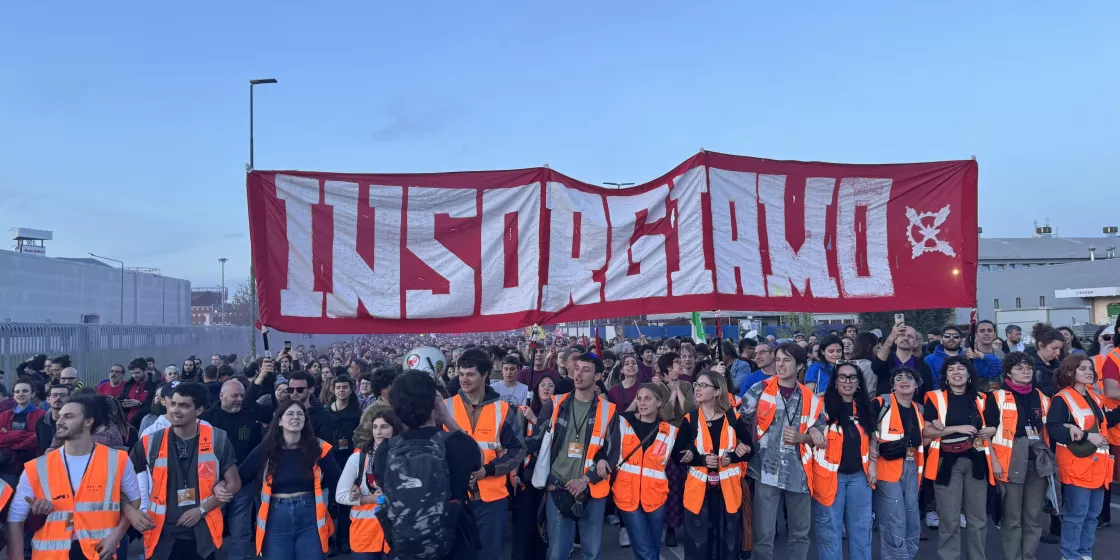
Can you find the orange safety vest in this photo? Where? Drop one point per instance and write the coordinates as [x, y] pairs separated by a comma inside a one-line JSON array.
[[208, 476], [891, 430], [810, 411], [5, 494], [1113, 434], [322, 520], [487, 432], [826, 461], [366, 534], [1004, 439], [730, 477], [598, 433], [641, 478], [87, 516], [1095, 470], [939, 401]]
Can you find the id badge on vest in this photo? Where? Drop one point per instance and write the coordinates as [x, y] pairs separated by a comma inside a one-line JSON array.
[[575, 450], [69, 521], [187, 497], [343, 444], [1031, 434]]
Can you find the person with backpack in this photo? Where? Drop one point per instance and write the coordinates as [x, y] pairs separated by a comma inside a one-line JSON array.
[[363, 497], [297, 473], [425, 474], [576, 461]]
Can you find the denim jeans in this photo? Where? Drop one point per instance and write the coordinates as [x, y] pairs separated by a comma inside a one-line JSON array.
[[239, 519], [645, 531], [896, 507], [492, 519], [562, 531], [1080, 507], [852, 508], [291, 531]]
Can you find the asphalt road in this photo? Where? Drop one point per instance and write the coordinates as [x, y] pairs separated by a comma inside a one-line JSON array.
[[1108, 539]]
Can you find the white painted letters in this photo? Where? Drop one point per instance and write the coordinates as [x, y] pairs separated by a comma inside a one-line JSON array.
[[525, 201], [569, 278], [423, 205], [872, 194], [648, 250], [742, 252], [693, 277], [299, 299], [807, 267], [352, 279]]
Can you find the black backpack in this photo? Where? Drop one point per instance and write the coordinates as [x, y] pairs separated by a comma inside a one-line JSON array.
[[419, 516]]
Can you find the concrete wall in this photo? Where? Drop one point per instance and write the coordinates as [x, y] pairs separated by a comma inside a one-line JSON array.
[[37, 289]]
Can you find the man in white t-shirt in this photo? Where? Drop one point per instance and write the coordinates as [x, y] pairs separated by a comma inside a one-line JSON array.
[[509, 389], [78, 418]]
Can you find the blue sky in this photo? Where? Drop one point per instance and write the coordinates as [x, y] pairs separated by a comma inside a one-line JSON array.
[[124, 125]]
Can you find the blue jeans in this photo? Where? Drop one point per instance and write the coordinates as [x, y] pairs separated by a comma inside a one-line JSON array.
[[291, 531], [851, 508], [1080, 507], [562, 531], [492, 519], [239, 519], [896, 507], [645, 531]]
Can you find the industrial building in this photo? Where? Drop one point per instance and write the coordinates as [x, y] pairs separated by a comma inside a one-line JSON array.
[[36, 288]]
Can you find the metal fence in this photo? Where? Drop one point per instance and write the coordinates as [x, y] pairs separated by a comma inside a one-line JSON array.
[[94, 348]]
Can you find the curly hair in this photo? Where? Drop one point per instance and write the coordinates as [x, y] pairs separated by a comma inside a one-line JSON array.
[[413, 397]]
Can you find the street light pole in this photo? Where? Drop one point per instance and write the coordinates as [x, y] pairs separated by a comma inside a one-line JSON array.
[[122, 279], [252, 273], [619, 185], [223, 261]]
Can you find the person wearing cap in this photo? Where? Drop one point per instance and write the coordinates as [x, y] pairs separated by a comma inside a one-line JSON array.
[[641, 446]]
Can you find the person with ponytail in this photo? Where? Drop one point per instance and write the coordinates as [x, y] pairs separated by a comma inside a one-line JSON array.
[[1047, 355], [367, 538]]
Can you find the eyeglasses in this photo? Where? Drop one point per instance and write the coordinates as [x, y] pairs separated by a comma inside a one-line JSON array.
[[701, 385], [951, 336], [848, 378], [68, 379], [296, 390], [904, 377]]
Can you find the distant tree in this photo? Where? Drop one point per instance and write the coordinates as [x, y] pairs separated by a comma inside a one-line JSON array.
[[239, 310], [795, 323], [920, 319]]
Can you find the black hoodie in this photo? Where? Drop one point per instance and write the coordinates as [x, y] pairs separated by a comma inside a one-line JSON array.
[[1044, 373]]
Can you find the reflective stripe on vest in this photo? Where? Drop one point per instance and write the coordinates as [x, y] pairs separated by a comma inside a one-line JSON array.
[[366, 534], [1004, 440], [487, 433], [696, 484], [891, 429], [641, 478], [323, 522], [826, 461], [1095, 470], [939, 400], [208, 477], [91, 514], [603, 415], [810, 411]]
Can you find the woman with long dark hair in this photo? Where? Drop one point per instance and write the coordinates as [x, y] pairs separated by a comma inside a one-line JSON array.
[[527, 541], [842, 474], [1047, 355], [297, 473], [1073, 345], [367, 539], [820, 373], [961, 421]]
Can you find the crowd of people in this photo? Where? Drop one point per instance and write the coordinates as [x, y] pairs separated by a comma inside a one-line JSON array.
[[464, 444]]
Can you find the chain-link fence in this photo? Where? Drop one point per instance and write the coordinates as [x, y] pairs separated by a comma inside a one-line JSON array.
[[94, 348]]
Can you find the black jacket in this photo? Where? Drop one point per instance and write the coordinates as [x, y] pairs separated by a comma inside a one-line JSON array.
[[1043, 373], [544, 420], [321, 423]]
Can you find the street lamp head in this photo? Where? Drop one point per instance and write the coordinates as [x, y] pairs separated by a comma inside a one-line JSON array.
[[262, 81]]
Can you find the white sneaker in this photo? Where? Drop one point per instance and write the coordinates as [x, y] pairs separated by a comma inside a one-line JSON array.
[[963, 524], [623, 538], [612, 519], [932, 521]]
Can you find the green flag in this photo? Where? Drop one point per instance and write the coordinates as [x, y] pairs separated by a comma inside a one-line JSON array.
[[698, 328]]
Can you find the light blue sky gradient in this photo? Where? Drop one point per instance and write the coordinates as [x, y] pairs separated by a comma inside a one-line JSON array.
[[124, 124]]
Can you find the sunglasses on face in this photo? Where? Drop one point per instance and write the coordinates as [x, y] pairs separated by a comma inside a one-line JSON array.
[[300, 390], [1106, 337], [951, 336]]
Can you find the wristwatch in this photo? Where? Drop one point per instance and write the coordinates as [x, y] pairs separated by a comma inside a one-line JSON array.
[[202, 509]]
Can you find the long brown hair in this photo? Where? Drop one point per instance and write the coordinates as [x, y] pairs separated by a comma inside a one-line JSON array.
[[722, 402], [1067, 371], [273, 444]]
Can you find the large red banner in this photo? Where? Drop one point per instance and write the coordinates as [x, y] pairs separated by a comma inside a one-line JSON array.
[[497, 250]]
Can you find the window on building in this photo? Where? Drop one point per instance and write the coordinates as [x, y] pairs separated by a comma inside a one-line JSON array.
[[1011, 266], [1042, 301], [1000, 267], [996, 305], [985, 268], [1026, 265], [1018, 303]]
